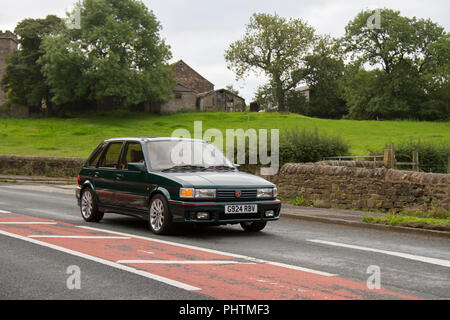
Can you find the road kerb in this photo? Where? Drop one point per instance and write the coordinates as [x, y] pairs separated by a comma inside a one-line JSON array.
[[423, 232]]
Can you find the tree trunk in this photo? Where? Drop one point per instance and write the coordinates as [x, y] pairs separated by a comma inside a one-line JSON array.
[[280, 96]]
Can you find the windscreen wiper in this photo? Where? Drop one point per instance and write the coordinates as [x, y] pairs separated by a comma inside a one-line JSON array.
[[182, 168], [220, 168]]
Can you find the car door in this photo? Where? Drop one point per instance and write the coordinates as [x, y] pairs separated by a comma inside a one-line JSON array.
[[132, 187], [106, 174]]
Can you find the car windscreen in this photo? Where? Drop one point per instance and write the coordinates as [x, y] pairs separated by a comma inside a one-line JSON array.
[[165, 155]]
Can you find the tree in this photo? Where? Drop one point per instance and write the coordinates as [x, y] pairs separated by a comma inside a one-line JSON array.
[[324, 72], [116, 58], [412, 57], [275, 46], [23, 77]]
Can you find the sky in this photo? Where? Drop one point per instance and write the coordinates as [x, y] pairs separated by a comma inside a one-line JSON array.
[[199, 31]]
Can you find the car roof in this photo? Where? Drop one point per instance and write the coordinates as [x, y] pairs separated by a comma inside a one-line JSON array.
[[151, 139]]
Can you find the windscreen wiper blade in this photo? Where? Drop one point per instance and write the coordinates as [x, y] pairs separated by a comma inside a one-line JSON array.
[[220, 168], [187, 167]]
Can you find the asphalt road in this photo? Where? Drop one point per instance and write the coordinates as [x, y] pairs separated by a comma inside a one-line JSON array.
[[411, 265]]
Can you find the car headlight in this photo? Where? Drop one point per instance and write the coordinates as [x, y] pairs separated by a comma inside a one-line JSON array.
[[205, 193], [266, 193], [190, 193]]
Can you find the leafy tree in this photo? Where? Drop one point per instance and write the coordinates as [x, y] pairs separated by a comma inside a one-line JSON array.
[[324, 73], [275, 46], [411, 58], [23, 77], [117, 57]]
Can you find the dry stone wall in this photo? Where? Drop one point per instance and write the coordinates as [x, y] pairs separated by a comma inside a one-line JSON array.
[[364, 188]]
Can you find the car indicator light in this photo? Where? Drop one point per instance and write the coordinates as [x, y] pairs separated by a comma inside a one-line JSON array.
[[186, 193]]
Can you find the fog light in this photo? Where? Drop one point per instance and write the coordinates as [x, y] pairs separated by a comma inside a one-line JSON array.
[[270, 214], [202, 215]]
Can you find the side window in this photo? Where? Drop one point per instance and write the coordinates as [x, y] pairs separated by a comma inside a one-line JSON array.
[[111, 158], [134, 154], [93, 160]]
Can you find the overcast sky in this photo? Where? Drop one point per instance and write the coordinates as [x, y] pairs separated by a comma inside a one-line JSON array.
[[199, 31]]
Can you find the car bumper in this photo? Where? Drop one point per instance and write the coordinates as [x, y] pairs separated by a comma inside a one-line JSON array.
[[187, 212]]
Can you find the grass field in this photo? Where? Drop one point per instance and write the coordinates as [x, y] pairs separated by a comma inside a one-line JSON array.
[[77, 137]]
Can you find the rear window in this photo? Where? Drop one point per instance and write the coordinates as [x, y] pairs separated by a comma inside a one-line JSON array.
[[111, 158], [93, 160]]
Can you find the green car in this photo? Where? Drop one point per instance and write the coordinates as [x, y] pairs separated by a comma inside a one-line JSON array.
[[172, 180]]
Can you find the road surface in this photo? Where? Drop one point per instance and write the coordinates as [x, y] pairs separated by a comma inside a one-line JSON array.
[[42, 236]]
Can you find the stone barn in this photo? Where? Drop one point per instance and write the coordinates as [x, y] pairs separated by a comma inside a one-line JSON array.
[[183, 99], [220, 100], [195, 92]]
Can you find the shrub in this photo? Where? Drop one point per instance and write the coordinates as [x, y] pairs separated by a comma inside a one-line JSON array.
[[433, 156], [300, 146]]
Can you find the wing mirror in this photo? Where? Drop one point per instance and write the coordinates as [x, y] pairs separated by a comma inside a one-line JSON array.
[[137, 166]]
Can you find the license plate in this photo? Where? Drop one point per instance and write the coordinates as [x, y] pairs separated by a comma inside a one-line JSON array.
[[241, 208]]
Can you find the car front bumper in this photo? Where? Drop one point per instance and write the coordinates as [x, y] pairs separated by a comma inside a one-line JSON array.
[[187, 212]]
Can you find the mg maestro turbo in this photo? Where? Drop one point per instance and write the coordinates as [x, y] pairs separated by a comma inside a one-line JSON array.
[[168, 181]]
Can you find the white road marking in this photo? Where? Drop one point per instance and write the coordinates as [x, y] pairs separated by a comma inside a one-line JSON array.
[[440, 262], [181, 262], [28, 223], [214, 251], [2, 211], [76, 237], [147, 252], [105, 262]]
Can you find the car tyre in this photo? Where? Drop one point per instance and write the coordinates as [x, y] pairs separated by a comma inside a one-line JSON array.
[[160, 219], [254, 226], [89, 206]]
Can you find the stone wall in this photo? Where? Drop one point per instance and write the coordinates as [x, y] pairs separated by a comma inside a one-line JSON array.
[[364, 188], [325, 186], [40, 166]]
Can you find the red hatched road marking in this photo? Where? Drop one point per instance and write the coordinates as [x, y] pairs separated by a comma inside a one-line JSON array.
[[234, 279]]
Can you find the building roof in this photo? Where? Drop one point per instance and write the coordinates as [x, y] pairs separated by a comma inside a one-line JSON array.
[[181, 61], [304, 87], [219, 90]]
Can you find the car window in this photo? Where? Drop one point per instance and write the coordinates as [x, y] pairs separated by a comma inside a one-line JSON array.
[[134, 154], [111, 158], [93, 160]]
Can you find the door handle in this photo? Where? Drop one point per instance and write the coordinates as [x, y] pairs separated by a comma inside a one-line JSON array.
[[119, 176], [96, 174]]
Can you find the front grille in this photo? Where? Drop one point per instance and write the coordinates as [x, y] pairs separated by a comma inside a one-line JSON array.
[[230, 195]]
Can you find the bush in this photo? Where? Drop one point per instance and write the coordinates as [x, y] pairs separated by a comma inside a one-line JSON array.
[[433, 156], [300, 146]]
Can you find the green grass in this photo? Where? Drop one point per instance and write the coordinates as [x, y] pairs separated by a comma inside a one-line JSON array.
[[77, 137], [300, 201], [412, 222], [434, 219]]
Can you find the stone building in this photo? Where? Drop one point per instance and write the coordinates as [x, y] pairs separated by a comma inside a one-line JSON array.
[[183, 99], [195, 92], [8, 44], [220, 100], [305, 90], [190, 78]]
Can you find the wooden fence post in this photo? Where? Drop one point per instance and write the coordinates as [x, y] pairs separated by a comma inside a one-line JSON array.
[[448, 165], [416, 161]]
